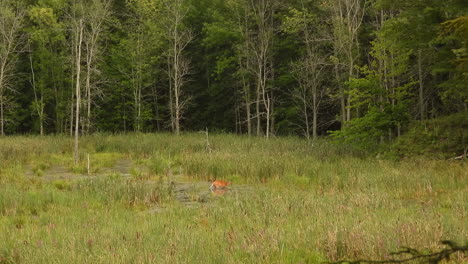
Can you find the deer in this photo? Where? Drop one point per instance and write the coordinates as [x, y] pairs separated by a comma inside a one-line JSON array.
[[219, 185]]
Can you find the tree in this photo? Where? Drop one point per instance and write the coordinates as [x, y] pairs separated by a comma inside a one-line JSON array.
[[138, 55], [309, 70], [178, 37], [347, 17], [260, 44], [96, 14], [45, 35], [77, 28], [454, 93], [12, 15]]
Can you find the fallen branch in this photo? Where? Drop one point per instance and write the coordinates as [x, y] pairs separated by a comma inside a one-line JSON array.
[[459, 157]]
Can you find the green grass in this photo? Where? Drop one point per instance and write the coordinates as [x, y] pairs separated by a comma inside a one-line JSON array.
[[298, 201]]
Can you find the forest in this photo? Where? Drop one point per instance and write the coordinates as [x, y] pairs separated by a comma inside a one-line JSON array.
[[233, 131], [356, 69]]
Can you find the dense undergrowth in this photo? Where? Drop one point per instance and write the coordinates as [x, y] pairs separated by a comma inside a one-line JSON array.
[[301, 201], [445, 137]]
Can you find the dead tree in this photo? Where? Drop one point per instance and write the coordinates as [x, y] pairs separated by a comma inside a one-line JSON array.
[[260, 44], [77, 31], [178, 37], [96, 15], [11, 39]]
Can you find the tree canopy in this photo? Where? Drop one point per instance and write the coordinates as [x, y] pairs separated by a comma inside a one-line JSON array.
[[364, 69]]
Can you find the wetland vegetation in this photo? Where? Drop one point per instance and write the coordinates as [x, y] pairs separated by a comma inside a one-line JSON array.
[[147, 200]]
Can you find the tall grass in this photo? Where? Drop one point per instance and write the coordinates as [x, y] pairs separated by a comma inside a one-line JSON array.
[[300, 202]]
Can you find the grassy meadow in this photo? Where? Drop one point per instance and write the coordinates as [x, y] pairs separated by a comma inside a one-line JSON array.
[[146, 199]]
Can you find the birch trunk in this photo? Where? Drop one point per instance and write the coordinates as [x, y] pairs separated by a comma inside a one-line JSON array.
[[78, 48]]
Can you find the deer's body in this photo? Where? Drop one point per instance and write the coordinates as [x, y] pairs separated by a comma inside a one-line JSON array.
[[219, 185]]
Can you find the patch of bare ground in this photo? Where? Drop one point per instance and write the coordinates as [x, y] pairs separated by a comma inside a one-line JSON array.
[[186, 190]]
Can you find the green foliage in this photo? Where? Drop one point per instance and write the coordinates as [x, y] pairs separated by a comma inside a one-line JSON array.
[[133, 88], [444, 137], [367, 131]]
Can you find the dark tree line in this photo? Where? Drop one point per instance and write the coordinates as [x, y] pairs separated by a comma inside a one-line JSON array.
[[364, 68]]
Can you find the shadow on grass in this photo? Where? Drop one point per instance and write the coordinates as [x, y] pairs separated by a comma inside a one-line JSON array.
[[410, 255]]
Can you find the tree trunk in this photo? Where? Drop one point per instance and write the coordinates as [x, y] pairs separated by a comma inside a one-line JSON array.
[[314, 113], [306, 118], [72, 112], [421, 86], [341, 93], [247, 103], [42, 116], [171, 104], [2, 96], [248, 116], [39, 104], [267, 117], [257, 109], [88, 88], [272, 116], [348, 101], [2, 119], [156, 107], [137, 85], [178, 64], [78, 88], [176, 89]]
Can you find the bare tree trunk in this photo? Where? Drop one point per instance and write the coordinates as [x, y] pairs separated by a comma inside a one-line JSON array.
[[421, 86], [272, 116], [348, 101], [267, 130], [257, 110], [79, 31], [247, 101], [341, 95], [72, 112], [72, 94], [137, 84], [171, 104], [247, 111], [176, 83], [178, 63], [39, 103], [261, 46], [314, 113], [95, 16], [89, 61], [11, 37], [140, 125], [306, 118], [2, 103], [2, 118], [177, 107]]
